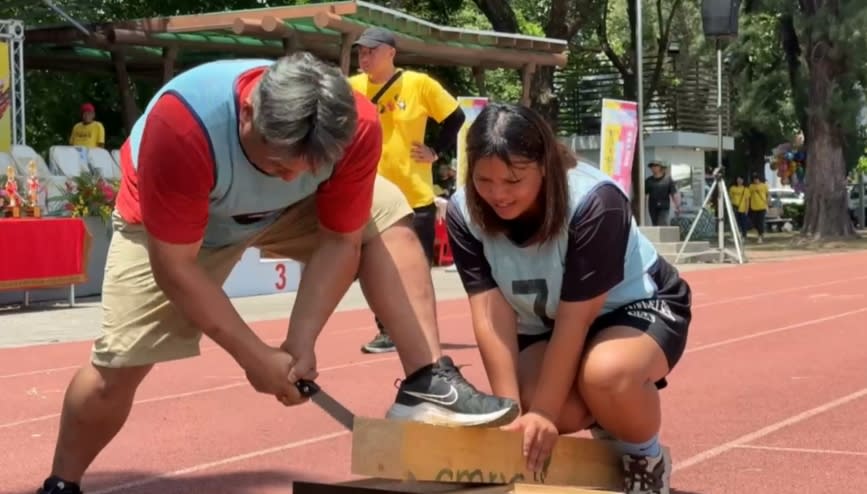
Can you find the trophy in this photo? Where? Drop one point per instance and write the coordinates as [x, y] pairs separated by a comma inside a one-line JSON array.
[[13, 208], [32, 208]]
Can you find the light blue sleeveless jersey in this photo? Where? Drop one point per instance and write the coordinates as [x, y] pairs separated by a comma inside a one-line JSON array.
[[531, 277], [240, 188]]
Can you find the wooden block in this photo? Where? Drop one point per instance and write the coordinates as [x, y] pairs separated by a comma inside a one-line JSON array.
[[384, 486], [422, 452], [408, 486], [556, 489], [377, 486]]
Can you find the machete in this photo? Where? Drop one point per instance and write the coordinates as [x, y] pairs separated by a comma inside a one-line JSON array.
[[331, 406]]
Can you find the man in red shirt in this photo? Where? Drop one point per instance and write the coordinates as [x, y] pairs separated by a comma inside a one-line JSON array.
[[279, 156]]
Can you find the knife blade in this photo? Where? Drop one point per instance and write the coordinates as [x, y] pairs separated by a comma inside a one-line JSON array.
[[327, 403]]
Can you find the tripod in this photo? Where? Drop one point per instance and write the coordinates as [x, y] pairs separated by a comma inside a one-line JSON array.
[[724, 207]]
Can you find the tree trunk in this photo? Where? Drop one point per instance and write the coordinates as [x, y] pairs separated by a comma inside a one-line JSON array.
[[544, 96], [792, 51], [500, 14], [827, 209]]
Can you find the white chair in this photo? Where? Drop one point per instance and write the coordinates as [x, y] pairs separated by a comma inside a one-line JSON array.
[[23, 155], [100, 160], [71, 161], [7, 161]]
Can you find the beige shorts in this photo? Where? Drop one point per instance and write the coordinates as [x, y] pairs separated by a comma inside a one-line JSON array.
[[140, 326]]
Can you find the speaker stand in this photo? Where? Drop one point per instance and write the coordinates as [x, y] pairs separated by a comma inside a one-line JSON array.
[[724, 207], [724, 204]]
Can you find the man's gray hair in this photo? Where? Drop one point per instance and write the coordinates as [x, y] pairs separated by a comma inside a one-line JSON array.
[[306, 107]]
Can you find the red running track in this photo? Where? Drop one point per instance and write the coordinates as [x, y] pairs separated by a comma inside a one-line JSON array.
[[769, 397]]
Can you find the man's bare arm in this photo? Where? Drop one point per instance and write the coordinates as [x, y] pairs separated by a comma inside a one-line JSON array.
[[200, 298]]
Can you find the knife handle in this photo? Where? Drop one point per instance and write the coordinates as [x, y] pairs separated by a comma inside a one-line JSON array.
[[307, 388]]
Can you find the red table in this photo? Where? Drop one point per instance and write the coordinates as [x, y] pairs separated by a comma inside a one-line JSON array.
[[43, 252]]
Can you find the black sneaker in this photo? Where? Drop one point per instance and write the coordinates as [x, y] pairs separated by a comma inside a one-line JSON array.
[[56, 485], [380, 344], [438, 394]]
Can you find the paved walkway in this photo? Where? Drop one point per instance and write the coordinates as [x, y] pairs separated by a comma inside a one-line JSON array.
[[54, 322], [57, 322]]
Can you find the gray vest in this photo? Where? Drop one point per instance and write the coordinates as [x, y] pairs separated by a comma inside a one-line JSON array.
[[531, 278], [240, 188]]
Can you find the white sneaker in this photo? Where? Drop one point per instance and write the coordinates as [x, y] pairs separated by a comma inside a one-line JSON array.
[[647, 475]]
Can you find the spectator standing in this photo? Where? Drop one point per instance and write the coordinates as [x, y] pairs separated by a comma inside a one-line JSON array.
[[758, 205], [739, 194], [89, 132], [661, 191], [405, 99]]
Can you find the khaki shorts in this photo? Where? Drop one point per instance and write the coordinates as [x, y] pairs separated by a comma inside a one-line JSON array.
[[141, 327]]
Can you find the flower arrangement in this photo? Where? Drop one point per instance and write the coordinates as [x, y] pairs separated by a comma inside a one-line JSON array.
[[89, 194]]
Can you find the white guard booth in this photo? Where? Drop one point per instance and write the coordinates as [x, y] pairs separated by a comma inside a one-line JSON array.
[[256, 276]]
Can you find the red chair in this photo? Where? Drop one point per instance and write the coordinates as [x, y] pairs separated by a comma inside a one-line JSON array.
[[442, 249]]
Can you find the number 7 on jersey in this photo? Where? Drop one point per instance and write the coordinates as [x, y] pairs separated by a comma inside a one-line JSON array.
[[539, 288]]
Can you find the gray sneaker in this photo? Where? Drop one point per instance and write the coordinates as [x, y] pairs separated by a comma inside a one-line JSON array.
[[380, 344], [647, 475]]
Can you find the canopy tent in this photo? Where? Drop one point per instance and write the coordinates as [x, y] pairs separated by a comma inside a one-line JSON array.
[[160, 47]]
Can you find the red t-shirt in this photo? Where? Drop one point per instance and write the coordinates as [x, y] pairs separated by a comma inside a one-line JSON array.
[[169, 192]]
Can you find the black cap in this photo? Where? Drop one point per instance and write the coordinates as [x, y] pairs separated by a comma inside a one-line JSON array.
[[375, 36]]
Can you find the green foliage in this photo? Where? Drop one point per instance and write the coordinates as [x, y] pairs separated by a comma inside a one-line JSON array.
[[861, 164], [763, 94], [760, 79], [847, 45], [795, 212], [53, 105]]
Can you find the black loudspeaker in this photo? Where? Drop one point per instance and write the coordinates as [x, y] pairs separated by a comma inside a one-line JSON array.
[[720, 18]]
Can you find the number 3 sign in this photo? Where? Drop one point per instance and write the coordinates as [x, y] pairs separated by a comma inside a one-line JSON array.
[[281, 276]]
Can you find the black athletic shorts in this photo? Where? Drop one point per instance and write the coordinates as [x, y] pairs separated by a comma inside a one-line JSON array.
[[665, 318]]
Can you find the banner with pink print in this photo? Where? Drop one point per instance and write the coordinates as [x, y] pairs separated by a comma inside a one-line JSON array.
[[618, 136]]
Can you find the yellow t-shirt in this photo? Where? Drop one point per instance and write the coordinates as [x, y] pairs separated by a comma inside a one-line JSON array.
[[740, 198], [759, 196], [403, 113], [89, 135]]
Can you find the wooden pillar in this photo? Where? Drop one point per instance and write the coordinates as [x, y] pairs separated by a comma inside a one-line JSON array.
[[290, 45], [479, 76], [129, 108], [170, 55], [526, 81], [346, 40]]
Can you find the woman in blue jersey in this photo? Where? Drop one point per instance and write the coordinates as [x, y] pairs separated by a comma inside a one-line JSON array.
[[574, 312]]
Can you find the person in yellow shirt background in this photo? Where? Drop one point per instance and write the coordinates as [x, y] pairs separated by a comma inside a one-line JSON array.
[[739, 194], [88, 133], [406, 99], [758, 205]]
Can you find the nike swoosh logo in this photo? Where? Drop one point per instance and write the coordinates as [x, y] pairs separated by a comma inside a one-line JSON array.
[[447, 399]]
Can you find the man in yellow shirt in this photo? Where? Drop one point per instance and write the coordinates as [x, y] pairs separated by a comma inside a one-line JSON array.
[[88, 133], [758, 205], [739, 194], [405, 100]]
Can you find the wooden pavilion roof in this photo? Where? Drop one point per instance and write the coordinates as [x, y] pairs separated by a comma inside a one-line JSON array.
[[324, 29]]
